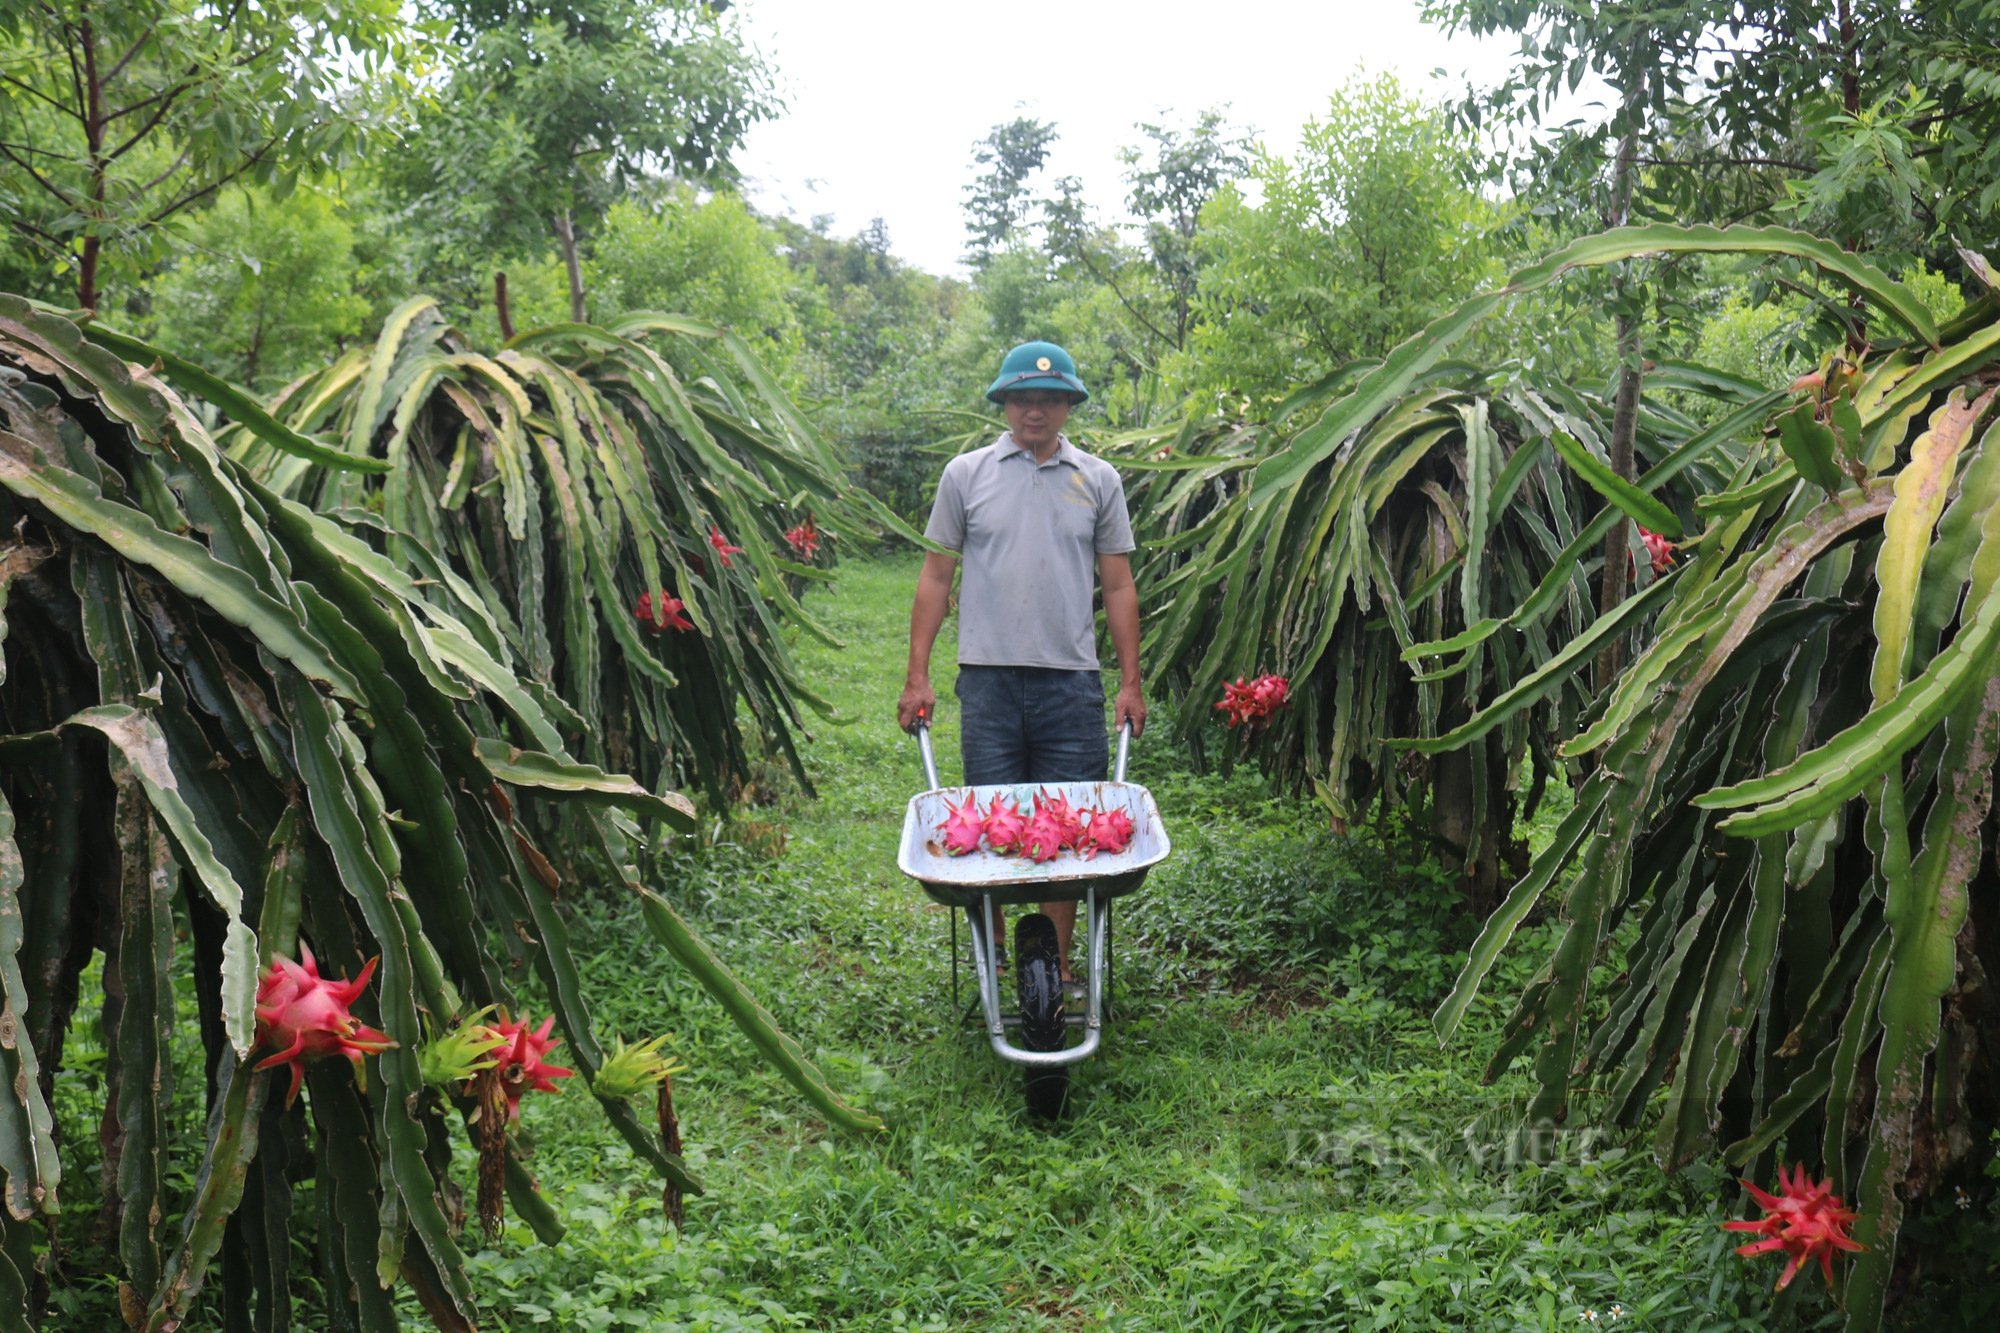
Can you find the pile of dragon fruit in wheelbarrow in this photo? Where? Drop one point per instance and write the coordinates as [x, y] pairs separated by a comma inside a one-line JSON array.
[[978, 848], [1055, 827]]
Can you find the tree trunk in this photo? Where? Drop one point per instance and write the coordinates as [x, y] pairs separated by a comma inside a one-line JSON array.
[[566, 238], [1612, 584], [501, 309], [87, 294]]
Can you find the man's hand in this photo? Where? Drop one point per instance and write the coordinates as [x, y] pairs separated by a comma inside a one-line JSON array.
[[920, 700], [1131, 705]]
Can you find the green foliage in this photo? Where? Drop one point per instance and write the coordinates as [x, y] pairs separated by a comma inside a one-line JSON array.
[[1255, 1147], [265, 288], [546, 489], [712, 259], [1357, 242], [998, 202], [115, 120], [550, 114], [1871, 122], [229, 723]]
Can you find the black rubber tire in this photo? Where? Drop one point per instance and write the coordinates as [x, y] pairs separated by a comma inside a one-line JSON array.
[[1038, 979]]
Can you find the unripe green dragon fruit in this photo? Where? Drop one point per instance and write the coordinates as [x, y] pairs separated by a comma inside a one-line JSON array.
[[630, 1070]]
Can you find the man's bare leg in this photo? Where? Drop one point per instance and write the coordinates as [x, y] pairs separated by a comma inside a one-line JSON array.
[[1064, 917]]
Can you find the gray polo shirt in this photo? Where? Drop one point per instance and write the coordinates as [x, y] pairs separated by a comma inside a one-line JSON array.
[[1030, 536]]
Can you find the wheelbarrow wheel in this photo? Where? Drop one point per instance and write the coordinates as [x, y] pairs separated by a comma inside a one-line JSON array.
[[1038, 978]]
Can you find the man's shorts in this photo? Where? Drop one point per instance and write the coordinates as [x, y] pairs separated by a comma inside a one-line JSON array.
[[1031, 724]]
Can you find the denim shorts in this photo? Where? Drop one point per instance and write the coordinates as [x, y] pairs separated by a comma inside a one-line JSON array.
[[1031, 724]]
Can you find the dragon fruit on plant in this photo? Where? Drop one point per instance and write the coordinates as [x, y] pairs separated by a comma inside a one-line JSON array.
[[962, 828], [1109, 831], [721, 544], [804, 540], [669, 616], [522, 1068], [1253, 700], [301, 1016], [1803, 1219], [1660, 549], [1005, 828]]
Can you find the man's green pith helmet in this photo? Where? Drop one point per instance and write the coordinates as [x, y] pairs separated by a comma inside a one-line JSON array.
[[1038, 366]]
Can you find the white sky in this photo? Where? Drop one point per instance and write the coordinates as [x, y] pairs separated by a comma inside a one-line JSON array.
[[886, 98]]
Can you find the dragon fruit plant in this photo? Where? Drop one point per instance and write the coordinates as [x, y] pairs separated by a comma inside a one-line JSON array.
[[302, 1016]]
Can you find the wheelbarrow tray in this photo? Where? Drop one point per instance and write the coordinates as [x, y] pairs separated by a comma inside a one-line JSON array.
[[962, 881]]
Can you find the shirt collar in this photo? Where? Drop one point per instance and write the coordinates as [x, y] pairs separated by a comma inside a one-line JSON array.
[[1065, 451]]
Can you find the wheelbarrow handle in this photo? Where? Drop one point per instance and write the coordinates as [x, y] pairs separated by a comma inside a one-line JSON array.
[[922, 730]]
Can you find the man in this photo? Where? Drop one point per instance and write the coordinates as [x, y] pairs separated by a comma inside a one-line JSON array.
[[1034, 518]]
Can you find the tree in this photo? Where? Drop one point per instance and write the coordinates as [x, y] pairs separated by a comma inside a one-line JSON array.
[[115, 120], [1188, 167], [999, 200], [1152, 284], [1357, 243], [266, 289], [710, 258], [552, 111]]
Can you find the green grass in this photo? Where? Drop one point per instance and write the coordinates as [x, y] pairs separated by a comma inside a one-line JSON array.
[[1271, 1139]]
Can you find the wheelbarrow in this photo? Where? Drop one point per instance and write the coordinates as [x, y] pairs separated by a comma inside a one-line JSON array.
[[979, 881]]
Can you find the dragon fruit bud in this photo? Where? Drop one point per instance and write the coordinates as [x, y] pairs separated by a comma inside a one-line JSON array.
[[302, 1016], [1005, 828], [1110, 831], [522, 1068], [962, 828]]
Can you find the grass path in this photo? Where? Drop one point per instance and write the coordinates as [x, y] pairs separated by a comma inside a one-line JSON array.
[[1271, 1139]]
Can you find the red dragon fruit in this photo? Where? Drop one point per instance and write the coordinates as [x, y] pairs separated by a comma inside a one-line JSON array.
[[1253, 701], [1067, 817], [1803, 1219], [1660, 549], [302, 1017], [804, 540], [1005, 828], [721, 544], [521, 1068], [1110, 831], [1047, 835], [669, 616], [962, 828]]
